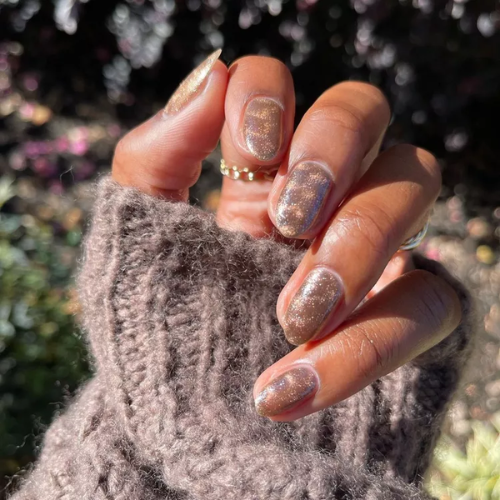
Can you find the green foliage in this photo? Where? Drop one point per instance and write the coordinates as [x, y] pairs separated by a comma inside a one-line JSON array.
[[473, 474], [41, 358]]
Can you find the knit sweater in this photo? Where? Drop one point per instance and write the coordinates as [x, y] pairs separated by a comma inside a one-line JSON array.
[[180, 320]]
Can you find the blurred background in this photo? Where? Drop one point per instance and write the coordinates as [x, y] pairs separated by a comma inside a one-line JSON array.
[[77, 74]]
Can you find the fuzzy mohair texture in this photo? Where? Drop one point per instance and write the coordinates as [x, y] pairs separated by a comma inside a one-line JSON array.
[[180, 318]]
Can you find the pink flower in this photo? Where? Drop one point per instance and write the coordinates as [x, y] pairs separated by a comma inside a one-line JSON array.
[[79, 147]]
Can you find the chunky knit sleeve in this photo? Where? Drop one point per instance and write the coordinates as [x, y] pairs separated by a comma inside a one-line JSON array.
[[180, 318]]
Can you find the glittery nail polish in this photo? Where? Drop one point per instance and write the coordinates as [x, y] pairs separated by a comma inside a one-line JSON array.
[[263, 127], [311, 306], [302, 198], [192, 85], [287, 391]]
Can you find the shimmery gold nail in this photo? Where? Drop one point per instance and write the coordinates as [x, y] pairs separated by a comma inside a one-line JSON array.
[[192, 84], [287, 391], [301, 199], [263, 127], [311, 306]]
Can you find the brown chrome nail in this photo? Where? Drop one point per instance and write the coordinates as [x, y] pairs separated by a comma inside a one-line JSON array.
[[287, 391], [192, 84], [311, 306], [263, 127], [302, 198]]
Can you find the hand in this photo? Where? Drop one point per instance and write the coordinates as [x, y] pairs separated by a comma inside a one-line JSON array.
[[352, 206]]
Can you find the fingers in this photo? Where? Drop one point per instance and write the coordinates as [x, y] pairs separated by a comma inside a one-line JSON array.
[[163, 155], [333, 146], [400, 264], [390, 203], [408, 317], [260, 107]]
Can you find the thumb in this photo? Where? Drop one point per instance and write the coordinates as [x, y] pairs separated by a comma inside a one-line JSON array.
[[163, 155]]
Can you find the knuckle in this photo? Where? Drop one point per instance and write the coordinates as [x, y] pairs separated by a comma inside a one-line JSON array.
[[371, 226], [433, 169], [248, 64], [122, 150], [243, 61], [120, 147], [427, 166], [404, 150], [371, 352], [434, 304], [353, 107], [370, 91], [336, 116], [191, 177]]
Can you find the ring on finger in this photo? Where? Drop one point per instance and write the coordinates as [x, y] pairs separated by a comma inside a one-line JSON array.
[[245, 174], [415, 240]]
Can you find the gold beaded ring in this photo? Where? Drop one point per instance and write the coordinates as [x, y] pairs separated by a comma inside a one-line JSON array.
[[244, 174]]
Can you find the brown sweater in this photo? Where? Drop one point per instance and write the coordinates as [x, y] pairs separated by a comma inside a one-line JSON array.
[[180, 319]]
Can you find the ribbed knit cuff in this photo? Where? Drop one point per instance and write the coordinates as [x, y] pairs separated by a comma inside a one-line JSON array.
[[181, 320]]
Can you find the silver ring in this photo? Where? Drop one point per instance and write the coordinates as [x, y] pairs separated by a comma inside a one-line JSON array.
[[414, 241], [244, 174]]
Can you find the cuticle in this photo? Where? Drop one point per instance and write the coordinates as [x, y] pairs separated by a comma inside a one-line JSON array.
[[321, 268], [206, 83], [310, 365], [339, 279], [254, 95], [321, 163], [294, 364], [162, 115]]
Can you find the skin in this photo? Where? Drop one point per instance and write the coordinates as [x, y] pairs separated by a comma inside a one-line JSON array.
[[386, 199]]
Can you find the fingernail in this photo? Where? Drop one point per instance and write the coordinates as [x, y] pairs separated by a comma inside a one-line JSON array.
[[287, 391], [263, 127], [302, 198], [191, 86], [311, 306]]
